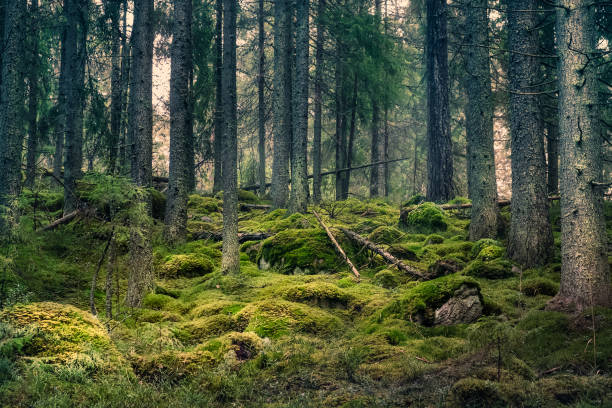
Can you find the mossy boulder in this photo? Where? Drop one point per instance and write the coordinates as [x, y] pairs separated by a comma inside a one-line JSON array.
[[434, 239], [275, 318], [490, 252], [385, 235], [171, 366], [404, 251], [247, 197], [156, 301], [61, 334], [225, 307], [186, 265], [482, 243], [421, 302], [203, 328], [200, 205], [305, 251], [540, 286], [426, 218], [246, 345], [474, 392], [386, 279], [320, 294], [495, 269]]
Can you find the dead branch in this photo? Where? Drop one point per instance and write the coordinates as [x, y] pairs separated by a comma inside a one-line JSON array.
[[242, 236], [64, 220], [337, 246]]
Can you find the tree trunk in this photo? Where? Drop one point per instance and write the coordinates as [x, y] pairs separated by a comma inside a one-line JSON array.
[[282, 127], [140, 279], [299, 169], [482, 184], [11, 100], [340, 124], [552, 145], [60, 120], [125, 80], [530, 240], [32, 150], [439, 144], [113, 9], [230, 261], [585, 276], [318, 106], [76, 53], [180, 123], [261, 108], [374, 154], [385, 154], [218, 124], [351, 138]]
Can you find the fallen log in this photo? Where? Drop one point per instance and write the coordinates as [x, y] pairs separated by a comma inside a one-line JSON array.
[[242, 236], [337, 246], [464, 206], [384, 254], [64, 220], [249, 207]]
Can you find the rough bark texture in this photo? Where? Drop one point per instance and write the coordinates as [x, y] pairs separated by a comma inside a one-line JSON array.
[[113, 9], [318, 106], [140, 279], [282, 127], [552, 147], [482, 185], [125, 81], [375, 141], [261, 102], [180, 122], [530, 240], [230, 261], [299, 169], [11, 99], [351, 138], [439, 145], [340, 99], [218, 124], [32, 150], [76, 53], [585, 276]]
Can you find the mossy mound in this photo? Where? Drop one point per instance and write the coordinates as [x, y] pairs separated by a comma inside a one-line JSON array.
[[186, 265], [490, 252], [158, 316], [171, 365], [420, 302], [245, 345], [434, 239], [275, 318], [60, 334], [474, 392], [247, 197], [540, 286], [298, 251], [319, 294], [156, 301], [385, 235], [199, 205], [386, 279], [495, 269], [426, 218], [204, 328], [482, 243], [224, 307], [404, 251]]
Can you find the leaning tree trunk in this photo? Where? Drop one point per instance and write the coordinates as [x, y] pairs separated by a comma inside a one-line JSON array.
[[439, 145], [11, 99], [218, 119], [482, 183], [318, 106], [530, 240], [299, 169], [180, 122], [585, 276], [140, 279], [32, 150], [261, 102], [230, 261], [282, 127]]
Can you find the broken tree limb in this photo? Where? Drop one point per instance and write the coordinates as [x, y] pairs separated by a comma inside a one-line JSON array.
[[384, 254], [249, 207], [337, 246], [242, 236], [64, 220]]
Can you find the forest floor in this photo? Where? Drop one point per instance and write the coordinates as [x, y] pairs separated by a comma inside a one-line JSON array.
[[295, 328]]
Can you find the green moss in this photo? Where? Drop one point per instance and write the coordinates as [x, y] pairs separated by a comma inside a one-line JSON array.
[[200, 205], [490, 252], [156, 301], [205, 327], [434, 239], [385, 235], [163, 290], [480, 244], [158, 316], [414, 200], [225, 307], [171, 366], [460, 200], [186, 265], [386, 279], [404, 251], [158, 204], [247, 197], [540, 286], [426, 218], [275, 318], [473, 392], [420, 302], [495, 269], [319, 294], [298, 251]]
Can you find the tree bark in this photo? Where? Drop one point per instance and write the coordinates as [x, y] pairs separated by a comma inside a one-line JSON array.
[[299, 169], [230, 261], [439, 144], [180, 123], [375, 141], [337, 246], [585, 276], [261, 102], [11, 100], [218, 124], [351, 138], [113, 9], [530, 240], [552, 147], [282, 126], [32, 150], [318, 105], [60, 120], [482, 184], [125, 81], [339, 96]]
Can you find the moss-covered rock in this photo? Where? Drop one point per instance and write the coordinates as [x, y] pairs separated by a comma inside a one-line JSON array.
[[473, 392], [420, 302], [172, 365], [404, 251], [385, 235], [490, 252], [61, 334], [186, 265], [275, 318], [426, 218], [200, 205], [156, 301], [495, 269], [158, 316], [540, 286], [298, 251], [245, 345], [480, 244], [225, 307], [386, 279], [247, 197], [199, 329], [319, 294], [434, 239]]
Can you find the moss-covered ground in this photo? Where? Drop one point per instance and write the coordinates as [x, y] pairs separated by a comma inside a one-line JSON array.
[[294, 329]]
